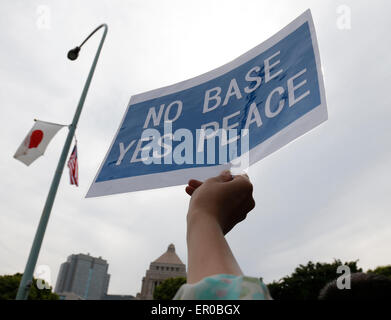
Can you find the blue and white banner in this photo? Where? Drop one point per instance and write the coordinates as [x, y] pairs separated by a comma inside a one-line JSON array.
[[230, 117]]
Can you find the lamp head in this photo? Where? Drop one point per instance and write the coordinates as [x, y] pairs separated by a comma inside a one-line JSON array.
[[74, 53]]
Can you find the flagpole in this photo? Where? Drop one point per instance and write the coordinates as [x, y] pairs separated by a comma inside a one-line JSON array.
[[26, 281]]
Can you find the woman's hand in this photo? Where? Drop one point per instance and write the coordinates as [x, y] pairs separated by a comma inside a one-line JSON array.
[[225, 199]]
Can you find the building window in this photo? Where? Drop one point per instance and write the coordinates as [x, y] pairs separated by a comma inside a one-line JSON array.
[[157, 268]]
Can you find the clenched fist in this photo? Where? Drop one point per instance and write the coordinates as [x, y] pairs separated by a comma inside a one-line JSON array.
[[225, 199]]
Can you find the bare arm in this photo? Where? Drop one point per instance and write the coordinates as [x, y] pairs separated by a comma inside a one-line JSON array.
[[216, 206]]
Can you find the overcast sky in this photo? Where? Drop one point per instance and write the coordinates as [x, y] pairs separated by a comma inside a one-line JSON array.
[[325, 195]]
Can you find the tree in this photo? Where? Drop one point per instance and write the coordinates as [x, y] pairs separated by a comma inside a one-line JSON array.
[[382, 270], [168, 288], [9, 285], [306, 281]]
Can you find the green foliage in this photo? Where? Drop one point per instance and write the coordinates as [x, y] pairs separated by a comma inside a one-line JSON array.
[[9, 286], [168, 288], [383, 270], [306, 281]]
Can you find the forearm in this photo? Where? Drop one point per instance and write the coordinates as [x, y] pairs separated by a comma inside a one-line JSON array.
[[208, 250]]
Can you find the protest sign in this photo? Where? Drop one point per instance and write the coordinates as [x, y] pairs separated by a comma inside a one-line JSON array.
[[230, 117]]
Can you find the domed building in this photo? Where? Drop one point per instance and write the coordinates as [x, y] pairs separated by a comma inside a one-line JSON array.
[[168, 265]]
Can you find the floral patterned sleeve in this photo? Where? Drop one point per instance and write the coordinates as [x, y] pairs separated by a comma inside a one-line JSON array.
[[224, 287]]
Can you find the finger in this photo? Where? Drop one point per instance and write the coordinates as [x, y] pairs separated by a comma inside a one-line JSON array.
[[189, 190], [250, 204], [244, 175], [194, 183], [242, 183]]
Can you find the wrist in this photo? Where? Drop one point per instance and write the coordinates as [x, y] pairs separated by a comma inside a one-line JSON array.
[[199, 220]]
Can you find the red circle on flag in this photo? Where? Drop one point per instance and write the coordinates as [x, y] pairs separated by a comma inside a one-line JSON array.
[[35, 138]]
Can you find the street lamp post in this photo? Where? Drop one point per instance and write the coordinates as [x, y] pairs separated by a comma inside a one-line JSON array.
[[26, 281]]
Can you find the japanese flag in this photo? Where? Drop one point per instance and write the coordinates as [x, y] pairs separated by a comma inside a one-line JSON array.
[[34, 145]]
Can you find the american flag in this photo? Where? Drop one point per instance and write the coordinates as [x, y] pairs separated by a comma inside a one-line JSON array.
[[73, 167]]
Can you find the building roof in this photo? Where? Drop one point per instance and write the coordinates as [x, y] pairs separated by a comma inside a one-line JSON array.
[[169, 257]]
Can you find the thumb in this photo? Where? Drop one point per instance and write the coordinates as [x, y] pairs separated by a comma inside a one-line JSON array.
[[224, 176]]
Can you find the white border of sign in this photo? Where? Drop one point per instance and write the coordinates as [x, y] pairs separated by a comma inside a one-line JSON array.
[[177, 177]]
